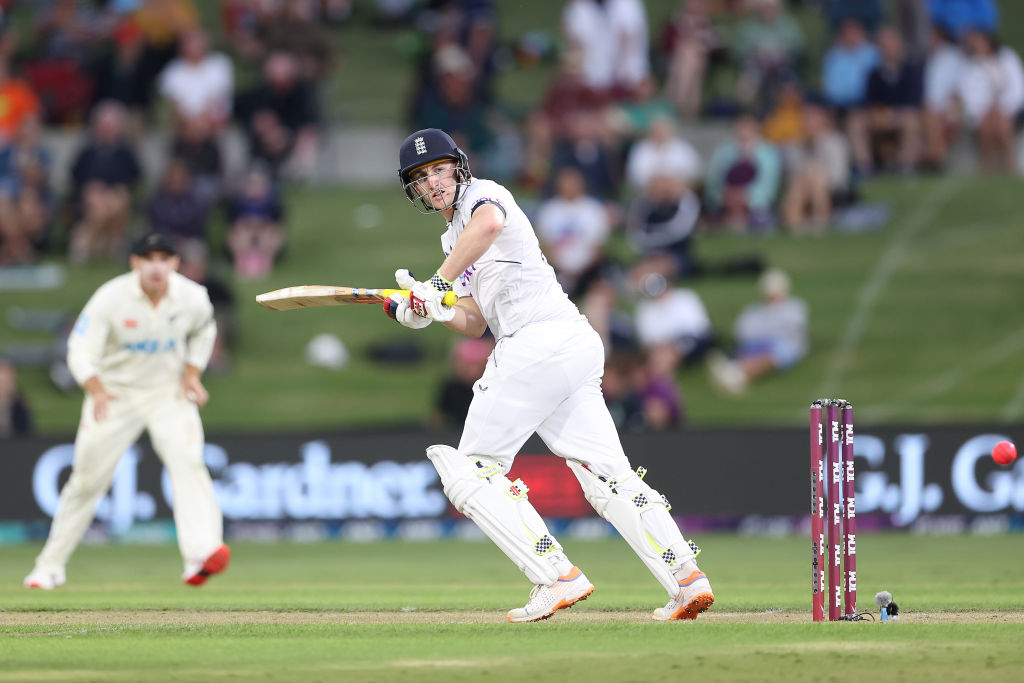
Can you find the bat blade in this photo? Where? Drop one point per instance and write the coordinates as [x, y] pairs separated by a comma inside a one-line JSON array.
[[311, 296]]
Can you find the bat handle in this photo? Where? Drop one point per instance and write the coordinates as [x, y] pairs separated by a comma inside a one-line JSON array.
[[450, 299]]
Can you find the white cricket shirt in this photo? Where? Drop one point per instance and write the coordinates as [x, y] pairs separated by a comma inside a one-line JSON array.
[[131, 344], [512, 283]]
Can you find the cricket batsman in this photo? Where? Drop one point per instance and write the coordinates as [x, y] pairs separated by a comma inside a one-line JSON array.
[[543, 376], [138, 350]]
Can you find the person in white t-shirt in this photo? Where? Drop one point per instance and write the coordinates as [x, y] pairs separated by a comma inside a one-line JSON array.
[[543, 376], [662, 152], [991, 88], [199, 84], [138, 349], [941, 119]]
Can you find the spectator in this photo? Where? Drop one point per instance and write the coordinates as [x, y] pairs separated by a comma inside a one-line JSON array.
[[468, 360], [573, 228], [818, 174], [956, 17], [662, 151], [893, 98], [845, 71], [453, 105], [256, 233], [162, 23], [770, 336], [15, 414], [589, 145], [942, 117], [742, 181], [769, 43], [199, 84], [280, 116], [295, 28], [624, 403], [867, 13], [690, 41], [672, 325], [659, 228], [991, 88], [198, 150], [586, 31], [784, 124], [26, 202], [122, 74], [175, 209], [195, 266], [660, 399], [17, 102], [103, 178], [631, 65]]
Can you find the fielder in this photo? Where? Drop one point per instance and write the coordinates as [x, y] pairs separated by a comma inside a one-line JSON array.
[[543, 376], [138, 349]]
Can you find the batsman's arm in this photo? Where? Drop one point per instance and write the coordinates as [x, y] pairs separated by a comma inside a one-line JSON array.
[[468, 319], [478, 236]]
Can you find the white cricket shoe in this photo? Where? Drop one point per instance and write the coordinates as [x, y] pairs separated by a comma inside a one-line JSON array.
[[694, 597], [45, 580], [546, 600]]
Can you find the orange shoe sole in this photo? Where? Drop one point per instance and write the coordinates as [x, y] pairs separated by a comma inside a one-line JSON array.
[[562, 604], [700, 603], [215, 564]]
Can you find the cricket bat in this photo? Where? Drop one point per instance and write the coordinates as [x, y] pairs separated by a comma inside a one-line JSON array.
[[308, 296]]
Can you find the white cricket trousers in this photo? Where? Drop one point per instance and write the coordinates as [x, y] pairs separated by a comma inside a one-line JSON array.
[[546, 378], [177, 435]]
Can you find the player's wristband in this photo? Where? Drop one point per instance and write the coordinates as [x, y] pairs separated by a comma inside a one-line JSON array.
[[439, 283]]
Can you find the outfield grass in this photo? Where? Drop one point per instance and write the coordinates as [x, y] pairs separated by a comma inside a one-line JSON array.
[[435, 611]]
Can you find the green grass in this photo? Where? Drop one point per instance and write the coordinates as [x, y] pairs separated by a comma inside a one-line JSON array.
[[917, 321], [435, 611]]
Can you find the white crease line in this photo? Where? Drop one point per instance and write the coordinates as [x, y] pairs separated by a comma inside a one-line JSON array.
[[879, 280]]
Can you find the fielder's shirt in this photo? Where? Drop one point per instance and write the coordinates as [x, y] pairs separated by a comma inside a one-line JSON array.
[[131, 344], [512, 283]]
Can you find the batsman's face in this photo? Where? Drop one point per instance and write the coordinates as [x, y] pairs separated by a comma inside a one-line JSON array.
[[154, 270], [436, 183]]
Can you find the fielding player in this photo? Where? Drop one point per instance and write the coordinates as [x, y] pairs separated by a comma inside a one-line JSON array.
[[543, 376], [137, 350]]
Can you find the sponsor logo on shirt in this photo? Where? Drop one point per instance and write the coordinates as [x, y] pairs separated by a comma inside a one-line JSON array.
[[131, 322], [150, 346]]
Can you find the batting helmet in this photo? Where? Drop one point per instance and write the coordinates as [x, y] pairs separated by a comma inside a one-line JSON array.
[[425, 147]]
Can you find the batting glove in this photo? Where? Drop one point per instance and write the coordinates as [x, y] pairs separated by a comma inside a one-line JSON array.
[[397, 308], [426, 299]]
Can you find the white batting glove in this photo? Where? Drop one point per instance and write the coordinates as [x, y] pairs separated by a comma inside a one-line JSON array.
[[398, 307], [425, 299]]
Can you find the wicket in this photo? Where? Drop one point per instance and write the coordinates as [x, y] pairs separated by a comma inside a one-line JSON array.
[[837, 460]]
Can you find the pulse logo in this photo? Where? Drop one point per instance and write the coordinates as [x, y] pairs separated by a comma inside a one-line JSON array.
[[421, 146]]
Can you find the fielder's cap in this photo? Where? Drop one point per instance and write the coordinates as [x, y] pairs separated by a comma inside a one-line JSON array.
[[154, 241]]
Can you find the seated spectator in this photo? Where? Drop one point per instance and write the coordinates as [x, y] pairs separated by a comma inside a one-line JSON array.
[[163, 22], [631, 63], [743, 177], [280, 117], [199, 84], [662, 152], [573, 228], [620, 395], [103, 177], [845, 71], [769, 44], [175, 209], [659, 229], [784, 124], [770, 336], [296, 28], [690, 41], [672, 325], [956, 17], [453, 106], [195, 266], [893, 98], [468, 362], [122, 74], [818, 174], [991, 88], [198, 150], [942, 117], [26, 202], [660, 399], [632, 118], [586, 30], [589, 146], [18, 101], [256, 232], [867, 13], [15, 414]]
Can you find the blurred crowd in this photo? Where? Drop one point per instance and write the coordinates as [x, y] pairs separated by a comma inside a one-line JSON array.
[[813, 111]]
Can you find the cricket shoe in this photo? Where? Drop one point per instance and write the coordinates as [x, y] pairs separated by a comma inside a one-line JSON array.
[[694, 597], [196, 574], [45, 580], [546, 600]]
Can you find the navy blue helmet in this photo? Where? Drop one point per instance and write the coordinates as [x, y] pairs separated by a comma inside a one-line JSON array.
[[425, 147]]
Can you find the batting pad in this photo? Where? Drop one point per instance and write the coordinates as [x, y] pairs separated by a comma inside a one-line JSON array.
[[501, 509], [640, 515]]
